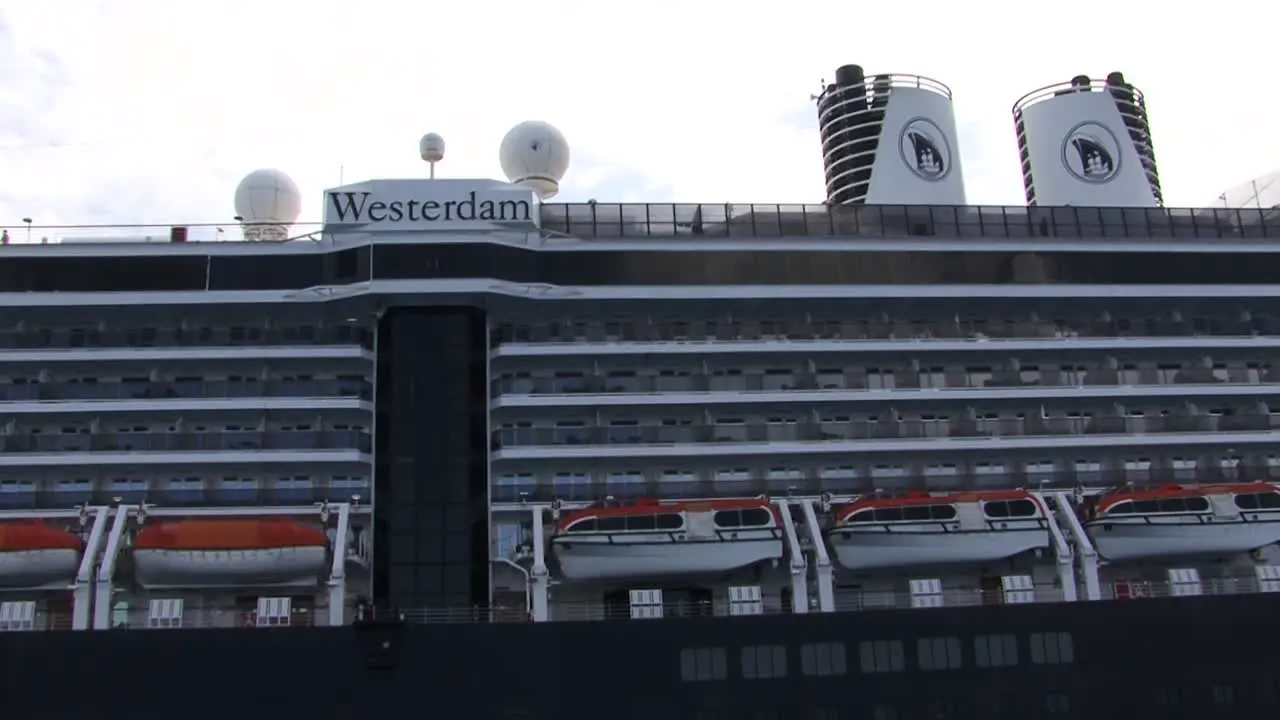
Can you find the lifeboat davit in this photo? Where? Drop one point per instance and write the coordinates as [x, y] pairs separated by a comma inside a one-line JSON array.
[[227, 552], [653, 538], [1178, 521], [35, 554], [878, 532]]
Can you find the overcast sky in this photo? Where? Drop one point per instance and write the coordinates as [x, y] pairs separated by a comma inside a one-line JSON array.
[[149, 111]]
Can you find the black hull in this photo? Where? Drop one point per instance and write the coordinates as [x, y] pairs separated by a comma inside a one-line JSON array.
[[1183, 657]]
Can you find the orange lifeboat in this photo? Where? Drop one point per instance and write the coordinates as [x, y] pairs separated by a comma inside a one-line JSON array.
[[653, 538], [36, 554], [1177, 521], [229, 552]]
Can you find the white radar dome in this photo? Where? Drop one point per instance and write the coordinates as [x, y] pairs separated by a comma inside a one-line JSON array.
[[431, 147], [536, 155], [269, 197]]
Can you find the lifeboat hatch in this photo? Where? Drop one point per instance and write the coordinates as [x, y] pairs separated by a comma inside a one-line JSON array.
[[230, 552], [38, 555]]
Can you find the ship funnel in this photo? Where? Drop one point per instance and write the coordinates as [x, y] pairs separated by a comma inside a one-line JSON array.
[[888, 140], [1087, 143]]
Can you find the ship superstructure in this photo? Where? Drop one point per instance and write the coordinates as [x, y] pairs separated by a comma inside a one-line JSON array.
[[455, 399]]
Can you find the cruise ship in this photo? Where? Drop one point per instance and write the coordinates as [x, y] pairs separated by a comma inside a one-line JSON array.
[[886, 456]]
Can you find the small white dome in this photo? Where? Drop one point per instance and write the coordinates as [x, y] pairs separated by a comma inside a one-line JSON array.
[[536, 155], [431, 147], [268, 197]]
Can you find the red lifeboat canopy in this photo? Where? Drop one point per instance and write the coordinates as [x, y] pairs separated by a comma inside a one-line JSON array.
[[229, 534], [20, 535]]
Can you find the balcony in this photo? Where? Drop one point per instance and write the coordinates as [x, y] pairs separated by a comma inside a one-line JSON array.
[[213, 496], [185, 390], [185, 442], [813, 482]]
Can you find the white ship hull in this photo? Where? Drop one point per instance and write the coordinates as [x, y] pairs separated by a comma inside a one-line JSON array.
[[601, 557], [1120, 540], [38, 568], [301, 566], [875, 549]]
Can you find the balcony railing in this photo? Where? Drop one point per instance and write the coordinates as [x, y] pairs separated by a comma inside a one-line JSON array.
[[186, 441], [186, 390], [210, 496], [816, 432], [812, 482], [796, 385], [175, 337]]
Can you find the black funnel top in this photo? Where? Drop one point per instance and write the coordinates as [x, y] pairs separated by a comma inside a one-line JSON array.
[[847, 75]]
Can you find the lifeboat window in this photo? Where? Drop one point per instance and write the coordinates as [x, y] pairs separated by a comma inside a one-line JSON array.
[[641, 523], [1010, 509], [1258, 501], [889, 515], [611, 524], [670, 522], [746, 518], [942, 512], [916, 513], [862, 516]]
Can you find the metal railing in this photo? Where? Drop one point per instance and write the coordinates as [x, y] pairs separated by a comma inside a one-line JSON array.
[[709, 220], [159, 338], [183, 441], [185, 390], [813, 482], [859, 430], [209, 496], [803, 387], [611, 220]]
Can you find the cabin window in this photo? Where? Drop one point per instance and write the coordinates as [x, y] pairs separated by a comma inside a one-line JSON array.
[[744, 518], [995, 650], [1010, 509], [823, 659], [880, 656], [1258, 501], [761, 662], [938, 653], [703, 664], [1052, 648]]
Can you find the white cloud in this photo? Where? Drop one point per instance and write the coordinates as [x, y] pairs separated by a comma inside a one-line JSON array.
[[151, 110]]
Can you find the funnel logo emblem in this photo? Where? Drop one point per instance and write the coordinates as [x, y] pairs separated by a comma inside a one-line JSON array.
[[925, 149], [1091, 153]]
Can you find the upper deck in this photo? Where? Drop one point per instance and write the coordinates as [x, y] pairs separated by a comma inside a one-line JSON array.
[[654, 245]]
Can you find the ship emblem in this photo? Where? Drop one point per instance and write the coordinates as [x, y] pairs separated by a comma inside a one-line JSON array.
[[925, 150], [1091, 152]]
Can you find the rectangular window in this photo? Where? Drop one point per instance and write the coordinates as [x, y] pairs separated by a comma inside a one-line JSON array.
[[881, 656], [995, 650], [1052, 648], [823, 659], [1057, 704], [764, 661], [938, 653], [1224, 694], [703, 664]]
